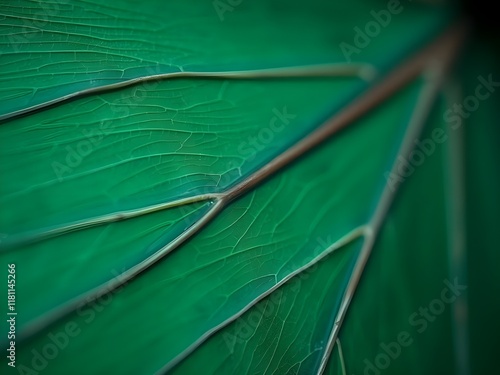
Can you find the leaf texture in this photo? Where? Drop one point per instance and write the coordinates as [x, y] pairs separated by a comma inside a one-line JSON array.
[[158, 206]]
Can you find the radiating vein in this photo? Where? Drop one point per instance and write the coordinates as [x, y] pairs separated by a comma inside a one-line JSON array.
[[432, 64], [363, 71], [25, 239], [341, 357], [374, 96], [346, 239], [121, 279]]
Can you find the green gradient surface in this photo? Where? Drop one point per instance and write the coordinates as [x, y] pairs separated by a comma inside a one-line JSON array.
[[256, 289]]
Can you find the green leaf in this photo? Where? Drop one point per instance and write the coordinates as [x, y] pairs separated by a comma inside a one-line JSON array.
[[184, 191]]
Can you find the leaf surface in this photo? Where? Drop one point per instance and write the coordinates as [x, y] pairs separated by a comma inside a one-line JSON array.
[[171, 182]]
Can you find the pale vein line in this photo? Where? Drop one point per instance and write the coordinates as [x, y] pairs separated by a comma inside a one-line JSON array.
[[364, 71], [436, 60], [346, 239], [397, 79], [87, 297], [457, 256], [375, 95], [341, 356], [353, 111], [26, 239]]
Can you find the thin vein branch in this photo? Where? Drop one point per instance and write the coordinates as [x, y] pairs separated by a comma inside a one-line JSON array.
[[432, 63], [30, 238], [356, 109], [343, 241], [341, 357], [364, 71], [83, 299]]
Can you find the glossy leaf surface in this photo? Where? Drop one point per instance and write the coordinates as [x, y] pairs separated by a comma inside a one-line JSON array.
[[142, 244]]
